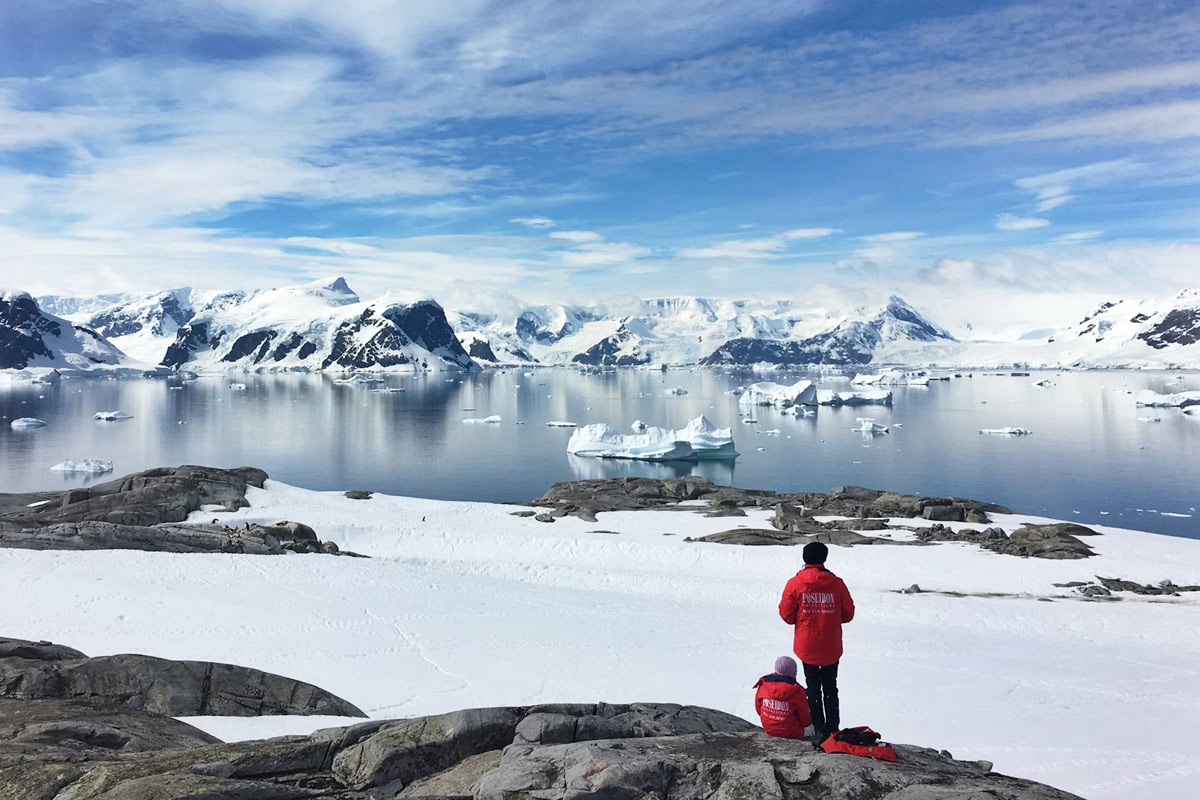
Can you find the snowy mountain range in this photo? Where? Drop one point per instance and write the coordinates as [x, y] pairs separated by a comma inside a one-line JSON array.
[[326, 326], [31, 339]]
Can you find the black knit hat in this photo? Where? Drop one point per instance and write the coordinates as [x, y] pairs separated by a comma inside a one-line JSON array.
[[815, 553]]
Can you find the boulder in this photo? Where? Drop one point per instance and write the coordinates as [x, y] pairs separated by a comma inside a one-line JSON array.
[[1041, 541], [359, 494]]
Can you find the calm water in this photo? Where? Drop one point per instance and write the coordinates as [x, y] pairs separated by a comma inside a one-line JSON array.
[[1089, 458]]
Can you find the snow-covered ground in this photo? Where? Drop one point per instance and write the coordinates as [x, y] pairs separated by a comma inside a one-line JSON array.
[[464, 605]]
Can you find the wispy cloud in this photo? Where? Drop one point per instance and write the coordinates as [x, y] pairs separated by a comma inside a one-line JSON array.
[[755, 248], [1011, 222], [1079, 236], [894, 236], [1054, 189], [534, 222]]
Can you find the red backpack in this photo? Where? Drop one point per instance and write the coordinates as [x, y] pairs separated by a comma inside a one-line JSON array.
[[860, 741]]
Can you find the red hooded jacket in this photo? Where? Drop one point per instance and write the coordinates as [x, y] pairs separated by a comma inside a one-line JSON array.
[[817, 603], [782, 706]]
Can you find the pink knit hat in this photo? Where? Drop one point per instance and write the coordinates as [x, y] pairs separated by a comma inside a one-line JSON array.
[[785, 665]]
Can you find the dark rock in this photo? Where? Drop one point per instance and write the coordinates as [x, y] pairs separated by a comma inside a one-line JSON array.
[[546, 518], [944, 512], [522, 513], [175, 688], [914, 589], [161, 495], [1164, 588], [37, 651], [548, 752], [69, 730], [1041, 541], [1095, 591], [167, 538], [359, 494]]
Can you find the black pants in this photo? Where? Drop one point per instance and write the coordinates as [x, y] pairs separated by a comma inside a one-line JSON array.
[[823, 698]]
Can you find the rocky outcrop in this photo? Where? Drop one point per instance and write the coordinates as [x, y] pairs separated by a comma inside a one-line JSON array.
[[151, 497], [43, 671], [147, 511], [554, 752]]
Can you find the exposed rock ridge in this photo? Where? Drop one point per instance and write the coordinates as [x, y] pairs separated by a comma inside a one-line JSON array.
[[639, 751]]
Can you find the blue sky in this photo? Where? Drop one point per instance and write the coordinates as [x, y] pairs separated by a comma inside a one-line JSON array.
[[551, 149]]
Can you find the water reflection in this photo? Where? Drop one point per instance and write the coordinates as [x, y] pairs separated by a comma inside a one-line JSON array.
[[1087, 454]]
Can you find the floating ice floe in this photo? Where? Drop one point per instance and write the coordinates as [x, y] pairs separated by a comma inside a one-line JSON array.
[[1178, 400], [774, 432], [678, 390], [1044, 382], [559, 423], [26, 422], [888, 378], [749, 421], [111, 416], [237, 387], [1149, 419], [767, 393], [638, 426], [365, 380], [95, 466], [492, 420], [862, 397], [656, 444], [1007, 431], [698, 440], [869, 425]]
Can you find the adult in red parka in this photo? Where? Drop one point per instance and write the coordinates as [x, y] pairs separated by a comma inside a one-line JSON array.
[[818, 603], [781, 703]]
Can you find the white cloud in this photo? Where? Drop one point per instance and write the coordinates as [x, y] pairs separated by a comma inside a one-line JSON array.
[[809, 233], [895, 236], [1079, 236], [534, 222], [577, 236], [755, 248], [1010, 222], [1054, 189]]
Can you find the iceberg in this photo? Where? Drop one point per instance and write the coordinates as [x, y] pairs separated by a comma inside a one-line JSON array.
[[869, 425], [707, 441], [862, 397], [26, 422], [111, 416], [1152, 399], [366, 380], [656, 444], [767, 393], [1007, 431], [638, 426], [492, 420], [95, 466]]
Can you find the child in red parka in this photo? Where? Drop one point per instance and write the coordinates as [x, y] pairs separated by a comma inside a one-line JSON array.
[[781, 703]]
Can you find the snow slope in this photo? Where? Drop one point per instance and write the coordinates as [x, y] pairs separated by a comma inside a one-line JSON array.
[[464, 605]]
